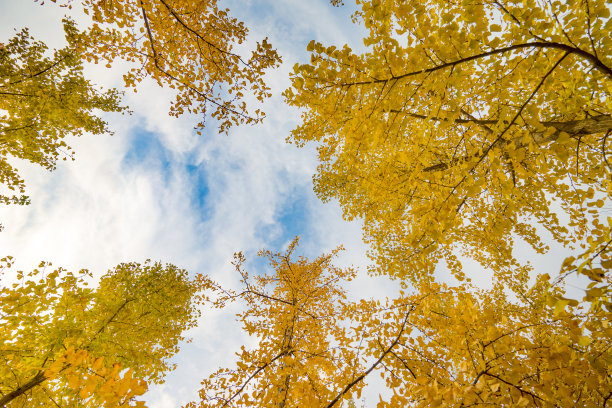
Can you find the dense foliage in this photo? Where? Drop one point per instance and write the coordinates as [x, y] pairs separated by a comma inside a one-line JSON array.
[[464, 126], [64, 343]]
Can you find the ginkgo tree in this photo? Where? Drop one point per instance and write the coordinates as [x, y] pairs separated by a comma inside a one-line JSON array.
[[462, 125], [44, 99], [63, 343], [192, 46], [436, 346], [304, 351], [462, 346]]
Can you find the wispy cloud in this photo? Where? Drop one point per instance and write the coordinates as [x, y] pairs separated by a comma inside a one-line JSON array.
[[157, 190]]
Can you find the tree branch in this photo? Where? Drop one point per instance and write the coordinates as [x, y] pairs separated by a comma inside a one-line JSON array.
[[589, 126], [373, 366], [36, 380], [598, 64], [260, 369]]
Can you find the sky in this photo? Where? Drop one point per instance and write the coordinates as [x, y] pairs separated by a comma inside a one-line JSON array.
[[156, 190]]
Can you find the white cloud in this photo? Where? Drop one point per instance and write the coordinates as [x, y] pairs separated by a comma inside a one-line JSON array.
[[44, 23], [101, 210]]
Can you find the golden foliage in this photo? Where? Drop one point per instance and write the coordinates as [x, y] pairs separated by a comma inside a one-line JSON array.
[[304, 352], [438, 346], [473, 347], [43, 100], [64, 343], [463, 125], [193, 46]]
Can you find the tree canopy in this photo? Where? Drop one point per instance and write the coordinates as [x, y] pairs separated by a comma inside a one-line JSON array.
[[438, 346], [462, 125], [64, 343], [192, 46], [304, 352], [473, 347], [463, 128], [44, 99]]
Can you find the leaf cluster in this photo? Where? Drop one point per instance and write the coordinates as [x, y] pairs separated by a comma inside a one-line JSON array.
[[44, 99], [462, 126], [192, 46], [68, 344], [304, 351]]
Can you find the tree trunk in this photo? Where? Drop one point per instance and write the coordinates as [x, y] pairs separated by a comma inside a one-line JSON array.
[[596, 124], [37, 380]]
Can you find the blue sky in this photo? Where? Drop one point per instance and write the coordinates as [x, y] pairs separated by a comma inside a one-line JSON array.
[[157, 190]]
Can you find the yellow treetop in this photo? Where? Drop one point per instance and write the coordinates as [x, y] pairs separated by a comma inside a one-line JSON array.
[[62, 343], [463, 125], [304, 352], [43, 99], [193, 46], [472, 347]]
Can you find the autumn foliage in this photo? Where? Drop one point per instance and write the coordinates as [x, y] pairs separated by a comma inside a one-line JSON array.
[[296, 312], [65, 343], [472, 347], [463, 129], [192, 46], [438, 346], [46, 99]]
